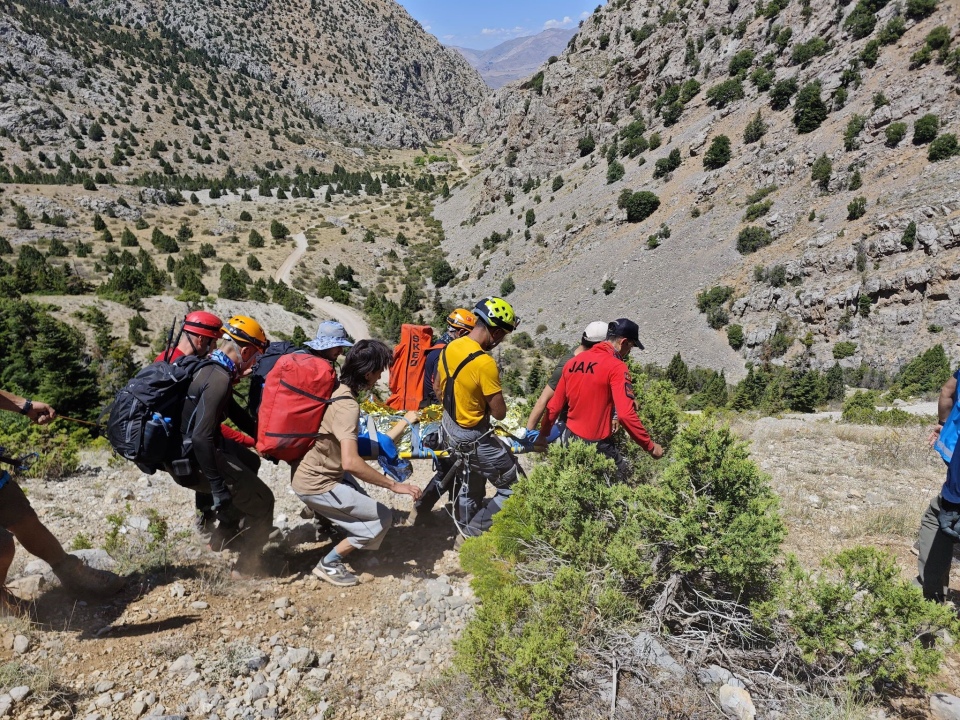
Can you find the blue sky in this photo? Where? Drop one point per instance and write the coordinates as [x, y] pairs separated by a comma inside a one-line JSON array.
[[481, 25]]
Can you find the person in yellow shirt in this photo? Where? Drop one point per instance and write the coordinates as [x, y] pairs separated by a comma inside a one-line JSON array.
[[468, 383]]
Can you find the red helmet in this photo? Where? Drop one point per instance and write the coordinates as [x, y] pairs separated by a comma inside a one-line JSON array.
[[203, 324]]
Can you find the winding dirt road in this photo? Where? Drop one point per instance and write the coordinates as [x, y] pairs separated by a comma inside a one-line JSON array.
[[351, 319]]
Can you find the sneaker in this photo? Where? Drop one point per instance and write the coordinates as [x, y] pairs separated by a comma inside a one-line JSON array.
[[335, 574], [81, 579]]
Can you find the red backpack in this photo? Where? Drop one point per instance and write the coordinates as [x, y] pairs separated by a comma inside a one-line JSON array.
[[295, 397], [406, 370]]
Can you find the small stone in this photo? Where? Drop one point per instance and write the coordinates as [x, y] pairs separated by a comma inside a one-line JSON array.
[[138, 708], [102, 687], [256, 692], [177, 590], [29, 587], [183, 665], [21, 643], [736, 702], [325, 659], [282, 602], [199, 605], [19, 693]]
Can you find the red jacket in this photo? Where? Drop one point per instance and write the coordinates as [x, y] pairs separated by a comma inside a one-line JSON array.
[[591, 385], [228, 432]]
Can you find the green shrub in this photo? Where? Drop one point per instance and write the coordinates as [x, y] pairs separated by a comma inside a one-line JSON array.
[[735, 336], [586, 144], [805, 52], [530, 217], [441, 273], [919, 9], [844, 349], [892, 31], [255, 239], [822, 171], [615, 172], [755, 129], [895, 132], [752, 238], [861, 21], [724, 93], [856, 181], [857, 208], [762, 78], [713, 298], [507, 286], [639, 205], [852, 132], [718, 154], [909, 238], [809, 111], [926, 373], [870, 53], [557, 183], [943, 147], [781, 93], [757, 210], [741, 62], [858, 618], [925, 129], [278, 230], [245, 216], [666, 165]]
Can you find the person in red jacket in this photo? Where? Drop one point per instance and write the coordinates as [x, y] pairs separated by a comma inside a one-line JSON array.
[[198, 336], [592, 385]]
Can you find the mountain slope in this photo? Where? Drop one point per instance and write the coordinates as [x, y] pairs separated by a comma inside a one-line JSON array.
[[517, 58], [622, 81], [364, 72]]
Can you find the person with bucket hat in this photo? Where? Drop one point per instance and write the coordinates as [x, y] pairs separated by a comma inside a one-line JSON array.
[[331, 340], [594, 384]]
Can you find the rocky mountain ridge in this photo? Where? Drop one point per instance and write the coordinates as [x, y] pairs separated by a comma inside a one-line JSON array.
[[648, 88]]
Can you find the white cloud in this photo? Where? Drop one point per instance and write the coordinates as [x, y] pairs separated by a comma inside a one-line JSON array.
[[504, 32], [565, 23], [584, 15]]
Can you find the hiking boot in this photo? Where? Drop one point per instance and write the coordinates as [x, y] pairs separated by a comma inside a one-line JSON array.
[[335, 574], [81, 579], [204, 523], [425, 518], [222, 536]]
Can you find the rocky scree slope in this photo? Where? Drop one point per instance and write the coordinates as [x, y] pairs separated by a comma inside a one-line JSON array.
[[644, 82], [242, 76]]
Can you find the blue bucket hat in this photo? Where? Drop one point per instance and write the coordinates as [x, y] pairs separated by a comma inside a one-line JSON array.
[[330, 334]]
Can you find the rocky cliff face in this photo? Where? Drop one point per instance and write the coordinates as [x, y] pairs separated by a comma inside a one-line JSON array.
[[645, 82], [364, 71]]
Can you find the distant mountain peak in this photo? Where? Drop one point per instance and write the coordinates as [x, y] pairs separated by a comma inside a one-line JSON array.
[[518, 58]]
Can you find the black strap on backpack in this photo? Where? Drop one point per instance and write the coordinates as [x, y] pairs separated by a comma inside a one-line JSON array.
[[449, 399]]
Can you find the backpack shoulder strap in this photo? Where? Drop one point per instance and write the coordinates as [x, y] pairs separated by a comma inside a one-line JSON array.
[[449, 398]]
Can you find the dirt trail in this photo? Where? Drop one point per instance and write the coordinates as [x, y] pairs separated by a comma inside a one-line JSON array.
[[351, 319]]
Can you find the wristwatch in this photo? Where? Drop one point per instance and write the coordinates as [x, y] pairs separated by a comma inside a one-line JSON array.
[[27, 407]]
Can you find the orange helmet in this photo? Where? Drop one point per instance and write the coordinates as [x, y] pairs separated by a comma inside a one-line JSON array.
[[246, 330], [462, 319]]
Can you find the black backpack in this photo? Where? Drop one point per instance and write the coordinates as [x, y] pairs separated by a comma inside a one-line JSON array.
[[258, 376], [144, 424]]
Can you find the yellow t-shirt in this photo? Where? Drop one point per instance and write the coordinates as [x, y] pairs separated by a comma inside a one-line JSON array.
[[478, 379]]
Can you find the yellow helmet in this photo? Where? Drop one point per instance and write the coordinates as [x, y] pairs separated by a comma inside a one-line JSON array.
[[462, 319], [246, 330], [497, 312]]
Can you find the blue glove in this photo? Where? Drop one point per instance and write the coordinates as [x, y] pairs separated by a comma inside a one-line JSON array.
[[530, 438]]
